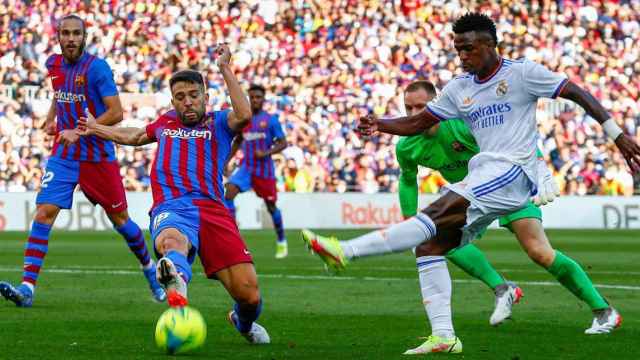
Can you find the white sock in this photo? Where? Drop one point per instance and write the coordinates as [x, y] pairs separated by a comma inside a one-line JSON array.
[[435, 285], [399, 237]]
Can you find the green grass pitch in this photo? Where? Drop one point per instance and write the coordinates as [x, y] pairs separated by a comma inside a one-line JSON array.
[[92, 303]]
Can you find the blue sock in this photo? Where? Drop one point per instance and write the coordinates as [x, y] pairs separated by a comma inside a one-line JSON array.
[[134, 236], [34, 252], [229, 204], [276, 216], [246, 315], [181, 263]]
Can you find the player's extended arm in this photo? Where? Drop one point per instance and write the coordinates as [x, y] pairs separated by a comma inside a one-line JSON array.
[[628, 147], [404, 125], [278, 145], [50, 122], [121, 135], [241, 114], [113, 114]]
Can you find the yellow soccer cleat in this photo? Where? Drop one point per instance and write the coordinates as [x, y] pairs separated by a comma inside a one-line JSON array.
[[281, 250], [328, 248], [436, 344]]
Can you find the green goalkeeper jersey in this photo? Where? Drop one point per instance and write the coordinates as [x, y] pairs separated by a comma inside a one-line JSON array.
[[448, 152]]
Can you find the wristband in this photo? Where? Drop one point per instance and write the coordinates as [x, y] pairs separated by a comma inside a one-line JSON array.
[[612, 129]]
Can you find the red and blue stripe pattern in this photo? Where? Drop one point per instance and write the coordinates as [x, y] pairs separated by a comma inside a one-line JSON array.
[[35, 252], [78, 86], [189, 160], [260, 134]]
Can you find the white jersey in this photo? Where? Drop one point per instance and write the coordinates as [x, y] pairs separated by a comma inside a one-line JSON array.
[[501, 110]]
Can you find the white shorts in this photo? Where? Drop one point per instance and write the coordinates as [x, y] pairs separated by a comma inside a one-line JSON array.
[[494, 187]]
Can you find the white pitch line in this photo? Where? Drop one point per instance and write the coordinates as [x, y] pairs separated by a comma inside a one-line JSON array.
[[311, 277]]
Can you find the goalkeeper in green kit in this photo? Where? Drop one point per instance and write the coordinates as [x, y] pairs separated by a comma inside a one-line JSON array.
[[447, 148]]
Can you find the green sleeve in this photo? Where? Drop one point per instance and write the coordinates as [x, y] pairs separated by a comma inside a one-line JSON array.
[[408, 189], [539, 153], [463, 134]]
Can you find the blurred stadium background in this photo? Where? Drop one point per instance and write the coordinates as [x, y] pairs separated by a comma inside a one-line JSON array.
[[324, 63]]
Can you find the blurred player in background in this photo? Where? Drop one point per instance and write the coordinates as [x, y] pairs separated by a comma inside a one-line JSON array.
[[80, 81], [497, 99], [262, 138], [188, 216]]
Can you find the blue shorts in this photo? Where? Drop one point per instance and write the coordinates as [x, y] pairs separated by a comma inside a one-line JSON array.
[[100, 182], [58, 182], [263, 187], [208, 226]]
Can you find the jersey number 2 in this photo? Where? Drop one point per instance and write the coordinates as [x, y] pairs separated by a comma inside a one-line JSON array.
[[46, 178]]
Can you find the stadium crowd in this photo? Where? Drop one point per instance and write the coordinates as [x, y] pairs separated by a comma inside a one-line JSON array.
[[325, 63]]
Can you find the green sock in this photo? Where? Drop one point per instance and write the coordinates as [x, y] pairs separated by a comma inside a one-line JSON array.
[[571, 275], [470, 259]]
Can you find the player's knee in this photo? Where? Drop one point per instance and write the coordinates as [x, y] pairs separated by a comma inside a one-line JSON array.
[[271, 206], [425, 249], [541, 254], [119, 219], [46, 214], [172, 241], [249, 296]]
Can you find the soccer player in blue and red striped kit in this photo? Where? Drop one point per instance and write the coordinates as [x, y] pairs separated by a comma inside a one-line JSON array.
[[80, 81], [188, 216], [262, 138]]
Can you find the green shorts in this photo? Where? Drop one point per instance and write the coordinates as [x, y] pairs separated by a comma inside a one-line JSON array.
[[528, 212]]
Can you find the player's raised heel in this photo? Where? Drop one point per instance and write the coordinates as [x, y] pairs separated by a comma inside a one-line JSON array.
[[506, 296], [436, 344], [604, 322], [173, 283], [22, 296], [328, 248], [257, 335], [156, 289]]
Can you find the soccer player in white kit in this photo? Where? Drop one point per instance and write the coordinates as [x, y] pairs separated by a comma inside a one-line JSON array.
[[497, 99]]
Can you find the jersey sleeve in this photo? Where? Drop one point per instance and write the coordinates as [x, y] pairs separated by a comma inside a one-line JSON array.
[[151, 128], [276, 128], [408, 186], [223, 131], [542, 82], [101, 77], [444, 106], [461, 132]]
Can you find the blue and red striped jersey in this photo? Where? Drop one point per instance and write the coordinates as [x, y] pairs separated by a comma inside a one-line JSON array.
[[78, 86], [189, 160], [260, 134]]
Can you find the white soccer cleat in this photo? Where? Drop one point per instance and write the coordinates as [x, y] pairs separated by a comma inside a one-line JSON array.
[[437, 344], [604, 322], [172, 282], [506, 296], [257, 335]]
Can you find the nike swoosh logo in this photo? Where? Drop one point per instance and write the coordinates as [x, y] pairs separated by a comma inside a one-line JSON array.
[[247, 252], [54, 77], [116, 205]]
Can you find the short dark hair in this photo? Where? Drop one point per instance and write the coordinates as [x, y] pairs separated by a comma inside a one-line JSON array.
[[476, 22], [73, 17], [188, 75], [425, 85], [256, 87]]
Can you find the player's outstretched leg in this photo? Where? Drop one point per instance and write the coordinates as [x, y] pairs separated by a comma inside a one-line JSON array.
[[472, 260], [134, 237], [568, 272], [396, 238], [241, 282]]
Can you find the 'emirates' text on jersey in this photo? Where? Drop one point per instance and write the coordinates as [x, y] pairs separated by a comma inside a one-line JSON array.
[[501, 110]]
